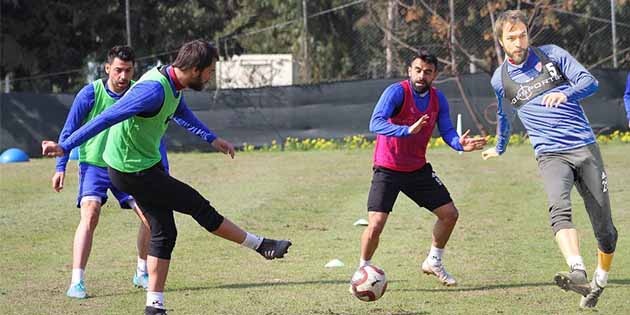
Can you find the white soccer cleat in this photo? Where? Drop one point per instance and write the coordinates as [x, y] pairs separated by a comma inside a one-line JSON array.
[[439, 272]]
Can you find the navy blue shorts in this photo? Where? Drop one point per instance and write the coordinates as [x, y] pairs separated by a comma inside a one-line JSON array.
[[422, 186]]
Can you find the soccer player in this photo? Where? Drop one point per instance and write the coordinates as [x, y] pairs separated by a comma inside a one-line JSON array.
[[544, 85], [132, 154], [403, 120], [93, 179], [626, 99]]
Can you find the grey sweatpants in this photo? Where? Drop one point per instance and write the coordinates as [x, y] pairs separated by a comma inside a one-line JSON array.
[[583, 167]]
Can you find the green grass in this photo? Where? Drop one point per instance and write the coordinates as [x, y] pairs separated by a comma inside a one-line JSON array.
[[502, 251]]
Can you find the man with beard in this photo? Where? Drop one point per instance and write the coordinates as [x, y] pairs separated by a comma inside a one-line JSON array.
[[132, 154], [544, 85], [404, 119]]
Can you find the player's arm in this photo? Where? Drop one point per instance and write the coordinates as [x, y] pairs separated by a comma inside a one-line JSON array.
[[145, 98], [390, 101], [187, 119], [504, 122], [449, 134], [81, 107], [583, 83], [626, 99]]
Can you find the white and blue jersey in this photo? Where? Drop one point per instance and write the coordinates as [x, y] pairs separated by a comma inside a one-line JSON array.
[[550, 129]]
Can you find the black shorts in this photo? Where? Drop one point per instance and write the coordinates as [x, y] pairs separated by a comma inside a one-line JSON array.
[[421, 186]]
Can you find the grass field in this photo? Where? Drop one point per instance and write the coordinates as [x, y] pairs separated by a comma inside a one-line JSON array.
[[502, 251]]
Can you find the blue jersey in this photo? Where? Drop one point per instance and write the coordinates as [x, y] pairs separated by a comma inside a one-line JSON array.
[[626, 98], [549, 129], [392, 99], [144, 99]]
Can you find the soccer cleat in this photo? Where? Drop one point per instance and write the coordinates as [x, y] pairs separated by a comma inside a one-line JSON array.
[[77, 291], [150, 310], [271, 249], [141, 281], [590, 300], [439, 272], [573, 281]]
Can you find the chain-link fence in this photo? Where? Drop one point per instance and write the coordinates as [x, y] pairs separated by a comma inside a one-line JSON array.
[[363, 39]]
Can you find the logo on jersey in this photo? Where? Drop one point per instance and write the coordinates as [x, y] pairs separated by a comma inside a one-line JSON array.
[[525, 91]]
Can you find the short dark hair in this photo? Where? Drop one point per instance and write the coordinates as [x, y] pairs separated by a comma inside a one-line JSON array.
[[124, 53], [198, 53], [510, 16], [425, 56]]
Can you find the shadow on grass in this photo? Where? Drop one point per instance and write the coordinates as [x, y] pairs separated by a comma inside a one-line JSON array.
[[282, 283], [502, 286]]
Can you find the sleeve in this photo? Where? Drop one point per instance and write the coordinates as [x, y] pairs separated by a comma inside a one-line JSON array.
[[391, 99], [164, 154], [626, 98], [505, 116], [143, 97], [445, 126], [187, 119], [583, 83], [81, 107]]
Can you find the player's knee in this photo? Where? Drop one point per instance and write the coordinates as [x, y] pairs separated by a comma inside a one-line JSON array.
[[375, 229], [560, 216], [208, 217], [452, 216], [90, 213], [607, 240], [162, 245]]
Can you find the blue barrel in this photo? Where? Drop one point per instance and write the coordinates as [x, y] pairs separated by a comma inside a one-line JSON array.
[[74, 154]]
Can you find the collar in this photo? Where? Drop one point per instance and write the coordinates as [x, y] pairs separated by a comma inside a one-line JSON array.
[[178, 85]]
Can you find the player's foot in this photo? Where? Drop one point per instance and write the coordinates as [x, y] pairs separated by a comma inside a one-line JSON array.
[[77, 291], [439, 272], [590, 300], [150, 310], [271, 249], [141, 281], [573, 281]]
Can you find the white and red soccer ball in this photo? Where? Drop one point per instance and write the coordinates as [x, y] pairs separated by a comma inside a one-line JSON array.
[[369, 283]]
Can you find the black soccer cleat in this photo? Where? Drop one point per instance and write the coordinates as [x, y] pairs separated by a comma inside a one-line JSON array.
[[271, 249], [150, 310]]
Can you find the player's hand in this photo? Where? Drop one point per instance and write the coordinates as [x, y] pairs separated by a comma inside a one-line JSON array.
[[554, 99], [51, 149], [415, 128], [57, 181], [490, 153], [472, 144], [223, 146]]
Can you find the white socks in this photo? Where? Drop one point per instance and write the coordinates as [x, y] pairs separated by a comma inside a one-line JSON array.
[[601, 277], [77, 276], [435, 256], [252, 241], [576, 263], [141, 268], [155, 299], [363, 263]]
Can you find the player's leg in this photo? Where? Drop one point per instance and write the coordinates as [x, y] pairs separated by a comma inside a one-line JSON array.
[[427, 190], [141, 275], [92, 194], [592, 184], [158, 193], [381, 198], [558, 173]]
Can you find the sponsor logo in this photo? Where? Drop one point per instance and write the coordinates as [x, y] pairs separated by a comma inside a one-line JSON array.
[[526, 91], [604, 182]]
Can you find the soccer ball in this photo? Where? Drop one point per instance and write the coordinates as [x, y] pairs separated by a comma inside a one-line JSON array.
[[369, 283]]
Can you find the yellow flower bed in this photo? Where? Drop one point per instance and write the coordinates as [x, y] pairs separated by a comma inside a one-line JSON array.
[[360, 142]]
